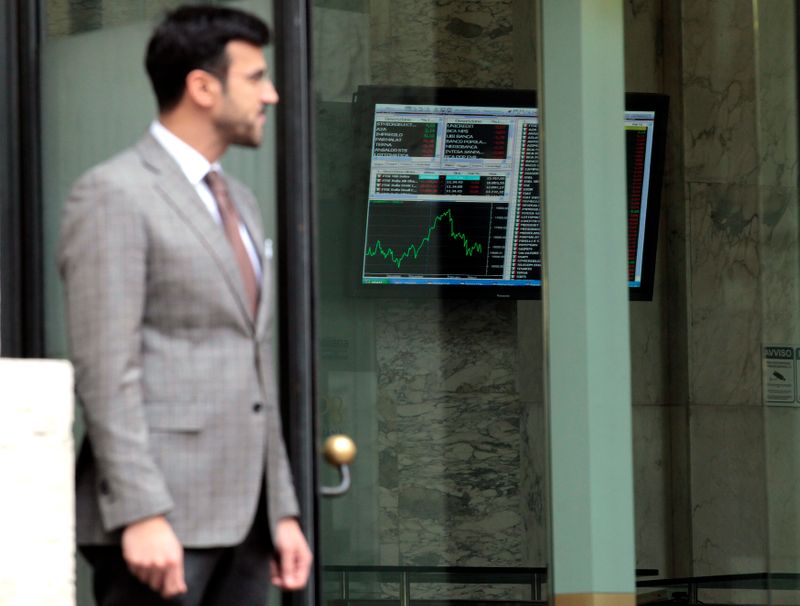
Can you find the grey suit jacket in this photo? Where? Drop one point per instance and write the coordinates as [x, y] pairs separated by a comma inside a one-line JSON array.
[[176, 381]]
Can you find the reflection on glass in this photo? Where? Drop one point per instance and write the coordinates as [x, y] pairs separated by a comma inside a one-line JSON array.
[[442, 395], [66, 17]]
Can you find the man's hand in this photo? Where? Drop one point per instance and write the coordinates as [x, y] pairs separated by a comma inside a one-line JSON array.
[[154, 555], [291, 562]]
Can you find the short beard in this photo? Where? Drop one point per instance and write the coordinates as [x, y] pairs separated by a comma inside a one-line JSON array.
[[234, 136]]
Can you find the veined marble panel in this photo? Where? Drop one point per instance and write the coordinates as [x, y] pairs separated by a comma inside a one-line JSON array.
[[652, 477], [68, 17], [389, 480], [779, 256], [680, 491], [782, 597], [777, 93], [525, 16], [481, 592], [783, 487], [643, 58], [458, 459], [447, 370], [341, 53], [673, 240], [57, 18], [442, 43], [431, 346], [533, 472], [530, 351], [728, 484], [648, 352], [719, 91], [724, 305]]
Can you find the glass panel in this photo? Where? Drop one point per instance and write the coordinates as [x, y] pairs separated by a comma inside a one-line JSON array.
[[715, 353], [96, 100], [443, 395]]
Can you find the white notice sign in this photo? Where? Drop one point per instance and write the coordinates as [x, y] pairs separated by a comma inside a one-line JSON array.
[[779, 375]]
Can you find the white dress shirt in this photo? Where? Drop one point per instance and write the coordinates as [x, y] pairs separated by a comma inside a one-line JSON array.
[[195, 166]]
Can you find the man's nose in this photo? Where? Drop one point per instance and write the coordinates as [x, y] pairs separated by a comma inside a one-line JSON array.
[[269, 96]]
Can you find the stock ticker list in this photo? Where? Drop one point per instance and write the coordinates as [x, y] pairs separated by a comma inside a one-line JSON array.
[[469, 140], [635, 146], [440, 185], [405, 139], [526, 246]]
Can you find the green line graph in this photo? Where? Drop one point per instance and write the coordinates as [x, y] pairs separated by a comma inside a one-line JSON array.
[[413, 251]]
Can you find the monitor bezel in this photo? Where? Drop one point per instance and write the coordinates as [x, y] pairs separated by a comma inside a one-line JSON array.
[[659, 104], [364, 102]]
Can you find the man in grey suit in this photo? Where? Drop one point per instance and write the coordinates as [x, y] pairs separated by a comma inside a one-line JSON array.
[[184, 494]]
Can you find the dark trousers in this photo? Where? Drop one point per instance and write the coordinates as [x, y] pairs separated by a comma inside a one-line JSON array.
[[221, 576]]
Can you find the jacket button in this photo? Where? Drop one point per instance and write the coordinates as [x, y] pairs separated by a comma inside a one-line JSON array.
[[257, 407], [104, 488]]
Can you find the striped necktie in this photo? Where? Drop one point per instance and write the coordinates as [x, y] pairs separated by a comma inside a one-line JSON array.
[[230, 221]]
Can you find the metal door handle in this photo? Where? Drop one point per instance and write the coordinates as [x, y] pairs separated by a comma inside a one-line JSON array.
[[339, 451]]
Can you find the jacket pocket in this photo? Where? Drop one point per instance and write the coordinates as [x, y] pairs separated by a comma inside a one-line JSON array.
[[163, 416]]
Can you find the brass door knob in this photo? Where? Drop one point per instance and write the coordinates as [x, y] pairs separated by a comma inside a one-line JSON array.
[[339, 450]]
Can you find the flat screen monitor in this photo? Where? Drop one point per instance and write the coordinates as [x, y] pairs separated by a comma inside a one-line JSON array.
[[452, 203]]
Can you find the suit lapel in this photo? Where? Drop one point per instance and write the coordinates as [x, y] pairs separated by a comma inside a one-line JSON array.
[[179, 193]]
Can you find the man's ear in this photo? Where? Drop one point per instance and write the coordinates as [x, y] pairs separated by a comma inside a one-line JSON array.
[[202, 88]]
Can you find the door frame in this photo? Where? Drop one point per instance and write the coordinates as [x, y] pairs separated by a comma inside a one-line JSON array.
[[21, 238], [297, 266]]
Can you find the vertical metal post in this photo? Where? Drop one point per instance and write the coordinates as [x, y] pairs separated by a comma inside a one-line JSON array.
[[694, 597], [21, 272], [10, 339], [405, 588], [297, 264], [586, 303]]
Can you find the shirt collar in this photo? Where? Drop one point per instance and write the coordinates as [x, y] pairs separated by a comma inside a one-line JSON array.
[[191, 162]]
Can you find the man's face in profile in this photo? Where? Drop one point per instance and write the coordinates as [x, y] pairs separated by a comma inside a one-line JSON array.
[[247, 90]]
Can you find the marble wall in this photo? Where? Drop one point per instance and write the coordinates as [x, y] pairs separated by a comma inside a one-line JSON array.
[[68, 17], [740, 280], [453, 434], [465, 467], [443, 43], [710, 483]]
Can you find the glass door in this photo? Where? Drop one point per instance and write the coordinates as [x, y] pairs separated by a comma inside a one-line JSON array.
[[428, 357]]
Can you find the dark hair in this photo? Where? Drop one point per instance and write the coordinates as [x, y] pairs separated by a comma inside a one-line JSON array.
[[194, 37]]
